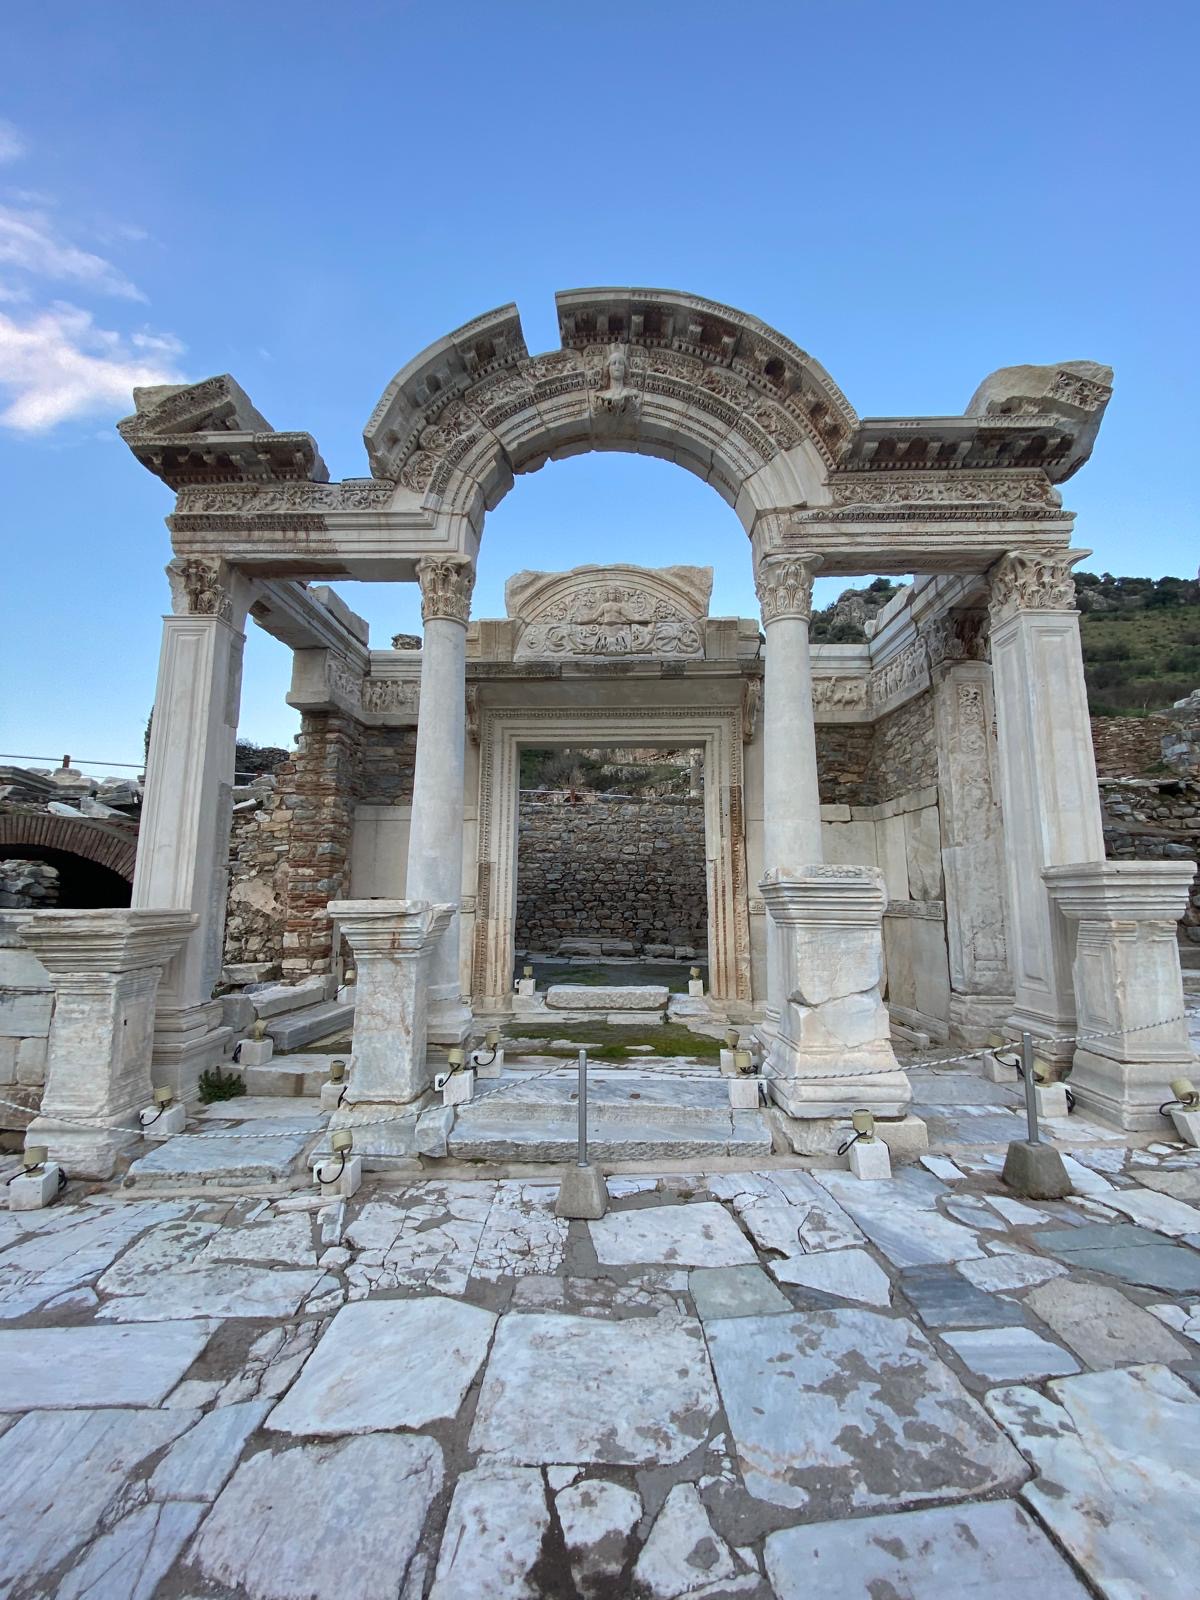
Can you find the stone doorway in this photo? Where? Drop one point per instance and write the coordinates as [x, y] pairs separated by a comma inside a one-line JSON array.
[[611, 862]]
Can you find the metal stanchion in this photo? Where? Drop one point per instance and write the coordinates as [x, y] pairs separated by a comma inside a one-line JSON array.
[[1030, 1081], [582, 1193], [1033, 1168]]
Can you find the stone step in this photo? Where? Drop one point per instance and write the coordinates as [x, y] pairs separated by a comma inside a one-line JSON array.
[[288, 1076], [615, 1096], [279, 999], [478, 1137], [298, 1028], [240, 1145]]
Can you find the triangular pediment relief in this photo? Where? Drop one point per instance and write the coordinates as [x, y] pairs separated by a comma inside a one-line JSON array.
[[619, 611]]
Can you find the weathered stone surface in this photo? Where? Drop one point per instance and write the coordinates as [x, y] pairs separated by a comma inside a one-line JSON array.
[[682, 1552], [94, 1366], [1124, 1251], [701, 1234], [197, 1466], [59, 1249], [388, 1364], [899, 1216], [433, 1130], [1008, 1355], [62, 1472], [268, 1535], [1115, 1457], [133, 1554], [1018, 1270], [734, 1292], [944, 1299], [578, 1389], [586, 997], [786, 1211], [849, 1274], [989, 1552], [224, 1289], [189, 1160], [1102, 1327], [839, 1411], [597, 1518], [498, 1519]]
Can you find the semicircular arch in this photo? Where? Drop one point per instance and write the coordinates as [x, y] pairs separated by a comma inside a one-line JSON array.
[[648, 371], [94, 841]]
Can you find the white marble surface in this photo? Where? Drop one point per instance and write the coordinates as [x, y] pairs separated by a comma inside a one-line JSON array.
[[1007, 1355], [597, 1518], [993, 1551], [682, 1551], [391, 1364], [579, 1389], [700, 1234], [95, 1366], [849, 1274], [1117, 1458], [900, 1217], [839, 1411], [493, 1539]]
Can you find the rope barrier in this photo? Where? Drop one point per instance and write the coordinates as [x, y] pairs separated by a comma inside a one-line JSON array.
[[564, 1066]]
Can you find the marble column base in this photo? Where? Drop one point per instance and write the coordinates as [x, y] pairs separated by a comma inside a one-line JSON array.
[[448, 1018], [188, 1040], [833, 1048], [973, 1018]]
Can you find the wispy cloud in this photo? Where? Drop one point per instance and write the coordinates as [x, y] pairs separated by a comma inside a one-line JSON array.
[[12, 145], [58, 365], [30, 243]]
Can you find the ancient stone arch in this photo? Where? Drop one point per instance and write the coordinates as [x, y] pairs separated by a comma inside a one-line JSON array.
[[93, 840]]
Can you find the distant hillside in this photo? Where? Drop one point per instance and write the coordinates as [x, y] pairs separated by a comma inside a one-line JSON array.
[[1141, 637]]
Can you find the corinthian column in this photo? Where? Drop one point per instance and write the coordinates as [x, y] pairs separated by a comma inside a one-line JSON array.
[[435, 846], [791, 803], [1047, 776]]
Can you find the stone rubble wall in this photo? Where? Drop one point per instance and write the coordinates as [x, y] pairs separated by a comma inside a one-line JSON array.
[[1126, 747], [26, 1009], [612, 869], [1155, 820], [28, 885], [904, 751]]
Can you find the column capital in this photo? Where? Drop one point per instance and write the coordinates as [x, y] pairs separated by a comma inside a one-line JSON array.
[[201, 586], [1029, 581], [784, 584], [958, 635], [446, 585]]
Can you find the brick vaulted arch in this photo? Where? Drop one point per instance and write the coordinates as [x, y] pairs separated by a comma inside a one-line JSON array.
[[102, 842]]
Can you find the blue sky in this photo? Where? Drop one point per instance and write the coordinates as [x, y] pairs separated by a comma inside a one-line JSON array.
[[305, 195]]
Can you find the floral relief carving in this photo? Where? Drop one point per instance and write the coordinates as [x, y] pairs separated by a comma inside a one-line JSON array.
[[1031, 582], [948, 488], [959, 635], [784, 585], [198, 588], [446, 585]]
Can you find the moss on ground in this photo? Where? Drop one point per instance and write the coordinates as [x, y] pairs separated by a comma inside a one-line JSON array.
[[611, 1041]]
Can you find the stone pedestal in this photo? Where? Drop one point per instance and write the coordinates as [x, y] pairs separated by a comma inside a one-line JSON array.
[[255, 1052], [34, 1190], [870, 1158], [833, 1048], [183, 840], [392, 941], [745, 1093], [1128, 986], [435, 841], [459, 1088], [1047, 777], [343, 1180], [526, 988], [1187, 1124], [105, 967], [160, 1125]]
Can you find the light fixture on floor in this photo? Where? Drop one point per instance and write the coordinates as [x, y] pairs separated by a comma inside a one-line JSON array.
[[333, 1090], [165, 1116], [346, 1177], [869, 1156], [36, 1181]]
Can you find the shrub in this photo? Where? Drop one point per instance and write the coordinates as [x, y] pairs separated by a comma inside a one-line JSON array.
[[217, 1085]]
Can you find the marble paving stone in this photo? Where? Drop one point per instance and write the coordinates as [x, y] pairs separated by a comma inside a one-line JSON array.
[[1017, 1212], [849, 1274], [69, 1245], [388, 1364], [198, 1465], [970, 1210], [839, 1411], [1102, 1327], [220, 1290], [734, 1292], [1110, 1159], [191, 1159], [1013, 1270], [493, 1539], [597, 1518], [423, 1238], [521, 1234], [1122, 1250], [942, 1167], [62, 1471], [992, 1551], [1158, 1211], [1183, 1185], [285, 1240], [271, 1363], [1184, 1319], [899, 1216], [944, 1299], [578, 1389], [275, 1531], [702, 1234], [130, 1558], [786, 1211], [171, 1244], [1117, 1462], [49, 1368], [1008, 1355], [1086, 1182], [682, 1552]]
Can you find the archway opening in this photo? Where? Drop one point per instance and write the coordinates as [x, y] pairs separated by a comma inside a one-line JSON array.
[[77, 884]]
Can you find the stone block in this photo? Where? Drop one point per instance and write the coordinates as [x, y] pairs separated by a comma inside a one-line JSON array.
[[745, 1093], [1051, 1099], [237, 1012], [582, 1194], [434, 1128], [279, 998], [294, 1030], [26, 1015], [997, 1071], [255, 1052], [33, 1190], [696, 986], [643, 1019], [584, 997], [8, 1061], [459, 1088], [485, 1068], [906, 1137], [31, 1062], [1035, 1171], [727, 1065], [870, 1158], [331, 1094], [342, 1180], [526, 987], [1187, 1124], [158, 1125]]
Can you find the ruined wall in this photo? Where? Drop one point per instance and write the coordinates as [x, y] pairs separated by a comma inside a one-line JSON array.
[[844, 769], [1128, 746], [612, 869], [904, 750], [388, 761]]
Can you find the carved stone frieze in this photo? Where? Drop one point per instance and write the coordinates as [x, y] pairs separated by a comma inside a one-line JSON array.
[[908, 670], [1031, 582], [252, 500], [784, 585], [620, 611], [383, 695], [989, 489], [752, 695], [199, 587], [841, 693], [959, 635], [446, 585]]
